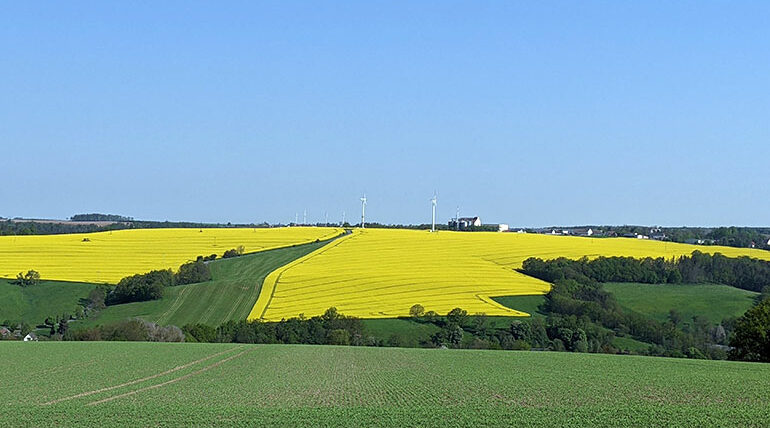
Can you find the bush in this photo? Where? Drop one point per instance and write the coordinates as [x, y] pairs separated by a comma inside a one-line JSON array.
[[32, 277], [200, 333], [234, 252]]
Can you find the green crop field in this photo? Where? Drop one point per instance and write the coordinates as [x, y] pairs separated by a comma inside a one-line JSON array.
[[34, 304], [162, 384], [230, 295], [712, 301]]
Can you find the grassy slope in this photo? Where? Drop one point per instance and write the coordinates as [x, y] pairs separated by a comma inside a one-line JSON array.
[[229, 296], [712, 301], [528, 304], [35, 303], [286, 385], [407, 332], [715, 302]]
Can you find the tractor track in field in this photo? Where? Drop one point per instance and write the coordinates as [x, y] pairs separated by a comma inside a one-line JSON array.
[[174, 306], [135, 381], [169, 382]]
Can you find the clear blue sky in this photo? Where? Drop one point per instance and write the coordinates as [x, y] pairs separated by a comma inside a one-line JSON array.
[[561, 113]]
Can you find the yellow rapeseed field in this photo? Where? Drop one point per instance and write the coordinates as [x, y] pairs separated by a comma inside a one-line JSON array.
[[381, 273], [109, 256]]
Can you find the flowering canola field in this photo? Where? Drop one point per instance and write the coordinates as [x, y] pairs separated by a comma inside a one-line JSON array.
[[381, 273], [109, 256]]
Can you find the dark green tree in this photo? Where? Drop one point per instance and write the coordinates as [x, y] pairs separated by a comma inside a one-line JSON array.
[[751, 339]]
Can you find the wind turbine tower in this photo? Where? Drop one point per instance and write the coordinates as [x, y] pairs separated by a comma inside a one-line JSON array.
[[343, 219], [433, 217], [457, 219], [304, 217], [363, 211]]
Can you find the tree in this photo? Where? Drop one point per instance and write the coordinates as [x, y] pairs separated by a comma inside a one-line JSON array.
[[193, 272], [416, 311], [457, 316], [751, 339]]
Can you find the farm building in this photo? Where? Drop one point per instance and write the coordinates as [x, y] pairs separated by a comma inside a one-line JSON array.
[[31, 337], [581, 232], [465, 222]]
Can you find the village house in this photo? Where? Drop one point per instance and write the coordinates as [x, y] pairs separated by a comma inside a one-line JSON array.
[[31, 337]]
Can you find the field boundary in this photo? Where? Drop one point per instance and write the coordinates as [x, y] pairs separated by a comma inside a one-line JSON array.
[[271, 280], [488, 300], [135, 381]]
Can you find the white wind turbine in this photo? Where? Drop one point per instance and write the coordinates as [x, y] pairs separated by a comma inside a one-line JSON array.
[[363, 211], [433, 217]]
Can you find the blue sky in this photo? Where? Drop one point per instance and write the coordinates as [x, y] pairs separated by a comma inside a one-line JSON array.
[[554, 113]]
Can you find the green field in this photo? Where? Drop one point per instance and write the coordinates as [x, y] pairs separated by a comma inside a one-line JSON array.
[[35, 303], [715, 302], [528, 304], [230, 295], [400, 332], [161, 384]]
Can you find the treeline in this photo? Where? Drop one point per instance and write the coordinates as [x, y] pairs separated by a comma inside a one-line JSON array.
[[150, 285], [135, 330], [100, 217], [583, 306], [577, 295], [581, 317], [741, 272], [21, 227], [743, 237], [9, 227]]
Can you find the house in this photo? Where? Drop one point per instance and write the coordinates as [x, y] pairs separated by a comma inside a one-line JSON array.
[[31, 337], [4, 332], [502, 227], [581, 232], [465, 222]]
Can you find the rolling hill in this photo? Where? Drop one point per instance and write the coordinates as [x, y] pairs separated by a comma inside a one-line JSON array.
[[106, 257], [381, 273]]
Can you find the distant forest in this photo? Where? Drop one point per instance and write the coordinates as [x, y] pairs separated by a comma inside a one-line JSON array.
[[33, 227], [100, 217]]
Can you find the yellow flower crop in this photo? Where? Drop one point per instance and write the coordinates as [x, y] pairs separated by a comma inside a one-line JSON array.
[[109, 256], [380, 273]]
